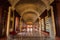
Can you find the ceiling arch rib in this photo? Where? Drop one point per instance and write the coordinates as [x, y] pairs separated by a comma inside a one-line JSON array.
[[47, 3], [13, 2], [30, 10]]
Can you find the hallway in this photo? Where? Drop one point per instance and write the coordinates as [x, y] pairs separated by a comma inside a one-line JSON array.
[[29, 20]]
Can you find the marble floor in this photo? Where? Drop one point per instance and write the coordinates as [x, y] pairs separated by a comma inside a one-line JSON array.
[[37, 36], [30, 36]]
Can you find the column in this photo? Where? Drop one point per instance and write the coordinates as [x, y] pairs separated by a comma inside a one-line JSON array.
[[50, 27], [20, 24], [51, 23], [13, 21], [8, 21], [40, 26], [44, 25]]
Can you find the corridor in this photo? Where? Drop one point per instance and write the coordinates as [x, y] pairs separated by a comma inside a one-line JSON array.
[[29, 20]]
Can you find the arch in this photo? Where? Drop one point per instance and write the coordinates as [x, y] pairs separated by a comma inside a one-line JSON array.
[[30, 10]]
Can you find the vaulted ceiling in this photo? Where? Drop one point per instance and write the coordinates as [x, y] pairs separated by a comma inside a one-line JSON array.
[[40, 4], [30, 10]]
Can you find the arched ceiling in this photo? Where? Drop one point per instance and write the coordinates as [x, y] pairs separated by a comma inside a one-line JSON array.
[[30, 10], [41, 3], [37, 7]]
